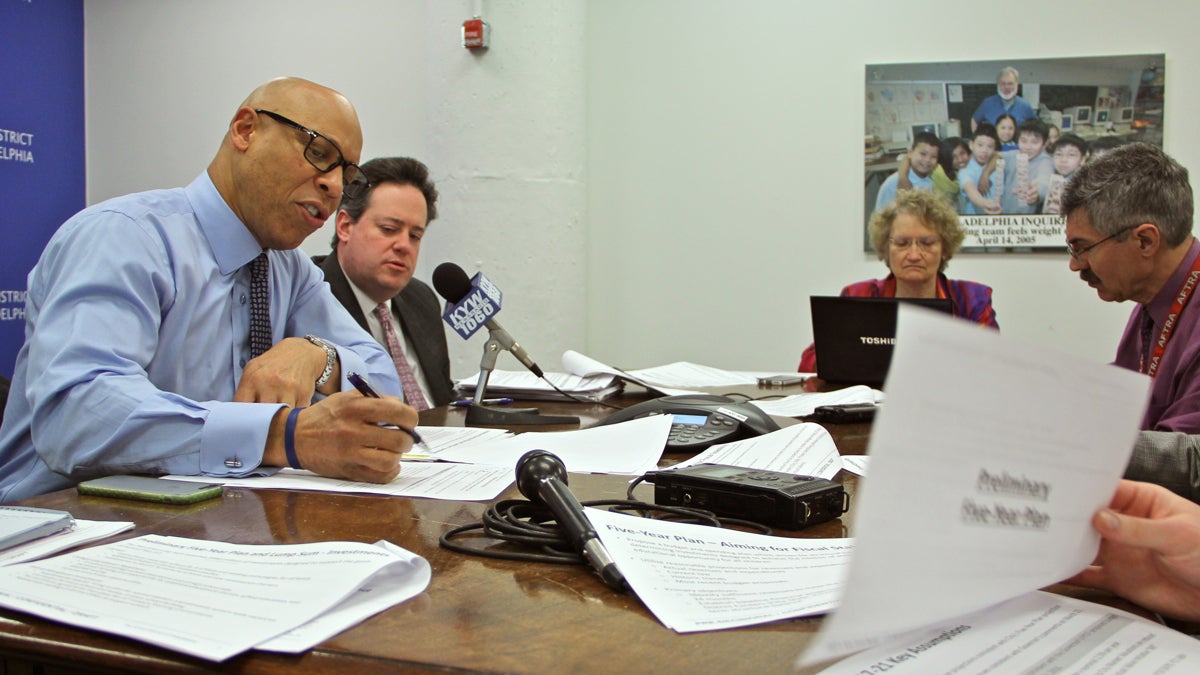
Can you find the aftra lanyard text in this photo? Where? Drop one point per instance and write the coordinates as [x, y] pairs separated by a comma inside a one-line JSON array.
[[1168, 329]]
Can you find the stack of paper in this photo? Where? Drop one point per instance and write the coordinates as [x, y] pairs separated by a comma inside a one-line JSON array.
[[594, 381], [19, 524], [83, 532], [212, 599], [527, 386], [672, 379]]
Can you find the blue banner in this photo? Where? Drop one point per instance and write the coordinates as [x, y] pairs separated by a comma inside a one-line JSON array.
[[42, 163]]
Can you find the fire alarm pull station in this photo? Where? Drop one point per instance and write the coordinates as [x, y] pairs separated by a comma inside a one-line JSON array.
[[475, 33]]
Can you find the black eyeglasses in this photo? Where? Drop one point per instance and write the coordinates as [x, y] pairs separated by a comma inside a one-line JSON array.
[[1078, 253], [324, 154]]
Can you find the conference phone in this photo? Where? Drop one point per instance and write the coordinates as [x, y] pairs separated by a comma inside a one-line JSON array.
[[701, 420]]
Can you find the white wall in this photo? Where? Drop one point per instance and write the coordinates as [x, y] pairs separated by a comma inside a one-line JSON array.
[[502, 132], [648, 180], [734, 130]]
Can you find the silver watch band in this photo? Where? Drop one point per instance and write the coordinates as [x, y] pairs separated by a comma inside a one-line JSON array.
[[330, 357]]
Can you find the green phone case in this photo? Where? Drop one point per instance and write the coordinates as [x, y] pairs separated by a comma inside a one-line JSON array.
[[147, 489]]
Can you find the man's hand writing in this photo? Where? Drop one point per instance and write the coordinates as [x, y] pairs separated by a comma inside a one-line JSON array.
[[340, 437]]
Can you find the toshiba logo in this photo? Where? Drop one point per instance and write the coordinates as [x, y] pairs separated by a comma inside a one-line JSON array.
[[869, 340]]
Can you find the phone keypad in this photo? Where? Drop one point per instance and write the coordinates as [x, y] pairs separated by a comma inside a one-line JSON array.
[[699, 435]]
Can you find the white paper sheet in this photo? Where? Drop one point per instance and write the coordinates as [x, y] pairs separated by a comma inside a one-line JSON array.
[[390, 586], [522, 380], [440, 439], [803, 405], [207, 599], [1034, 633], [698, 578], [856, 464], [804, 449], [433, 480], [582, 365], [626, 448], [987, 464], [85, 531], [683, 374]]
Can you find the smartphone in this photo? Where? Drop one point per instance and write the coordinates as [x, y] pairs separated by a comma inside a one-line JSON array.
[[150, 489], [782, 380]]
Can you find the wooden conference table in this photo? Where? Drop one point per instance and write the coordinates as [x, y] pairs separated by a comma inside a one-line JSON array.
[[478, 614]]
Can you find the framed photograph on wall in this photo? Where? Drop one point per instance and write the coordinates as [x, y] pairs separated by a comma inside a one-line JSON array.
[[957, 128]]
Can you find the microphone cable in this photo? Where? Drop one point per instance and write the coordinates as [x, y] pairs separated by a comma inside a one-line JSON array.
[[578, 399], [519, 522]]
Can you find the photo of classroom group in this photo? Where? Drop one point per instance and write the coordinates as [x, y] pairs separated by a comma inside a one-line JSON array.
[[1007, 146]]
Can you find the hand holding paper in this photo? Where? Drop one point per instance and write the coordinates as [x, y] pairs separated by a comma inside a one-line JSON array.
[[1150, 553], [987, 465]]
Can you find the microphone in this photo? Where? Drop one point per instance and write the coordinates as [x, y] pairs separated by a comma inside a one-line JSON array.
[[472, 304], [542, 478]]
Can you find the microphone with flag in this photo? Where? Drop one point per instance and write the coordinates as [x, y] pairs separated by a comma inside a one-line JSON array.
[[471, 304]]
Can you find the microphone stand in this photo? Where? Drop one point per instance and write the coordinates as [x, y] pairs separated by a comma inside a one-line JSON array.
[[481, 415]]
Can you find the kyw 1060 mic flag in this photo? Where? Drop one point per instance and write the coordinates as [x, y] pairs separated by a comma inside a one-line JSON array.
[[472, 303]]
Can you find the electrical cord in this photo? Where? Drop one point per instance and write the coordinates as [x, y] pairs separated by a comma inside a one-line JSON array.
[[577, 399], [521, 522]]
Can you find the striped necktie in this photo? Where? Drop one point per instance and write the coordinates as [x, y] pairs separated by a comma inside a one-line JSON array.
[[412, 390]]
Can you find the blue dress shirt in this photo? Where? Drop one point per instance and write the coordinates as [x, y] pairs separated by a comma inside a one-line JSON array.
[[993, 107], [136, 327], [887, 191]]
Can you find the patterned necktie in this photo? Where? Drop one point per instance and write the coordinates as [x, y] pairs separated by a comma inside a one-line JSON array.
[[412, 390], [260, 305], [1147, 340]]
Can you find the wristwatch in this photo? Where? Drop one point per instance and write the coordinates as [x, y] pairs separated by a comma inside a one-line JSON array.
[[330, 357]]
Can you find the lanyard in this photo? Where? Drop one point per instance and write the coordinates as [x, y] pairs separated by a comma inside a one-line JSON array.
[[1168, 329]]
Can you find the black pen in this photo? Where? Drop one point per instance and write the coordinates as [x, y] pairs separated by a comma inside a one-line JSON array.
[[360, 383]]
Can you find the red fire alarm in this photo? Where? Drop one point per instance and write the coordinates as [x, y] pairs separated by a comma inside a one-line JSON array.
[[475, 33]]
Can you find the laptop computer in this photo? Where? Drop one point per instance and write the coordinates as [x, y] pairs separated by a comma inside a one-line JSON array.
[[854, 336]]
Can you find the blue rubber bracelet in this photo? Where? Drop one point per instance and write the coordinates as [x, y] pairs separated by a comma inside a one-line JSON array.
[[289, 439]]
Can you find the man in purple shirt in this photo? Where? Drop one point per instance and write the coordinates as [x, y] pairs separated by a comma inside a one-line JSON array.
[[1129, 232]]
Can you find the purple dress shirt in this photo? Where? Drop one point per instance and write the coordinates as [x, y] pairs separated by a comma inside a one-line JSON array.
[[1175, 394]]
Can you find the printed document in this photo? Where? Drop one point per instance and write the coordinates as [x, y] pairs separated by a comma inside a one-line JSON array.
[[209, 599], [803, 405], [987, 464], [628, 448], [697, 578], [433, 480], [84, 532], [440, 439], [803, 449], [671, 380], [587, 376], [855, 464], [1037, 632], [523, 384]]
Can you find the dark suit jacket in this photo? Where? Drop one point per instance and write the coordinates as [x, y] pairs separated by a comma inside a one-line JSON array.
[[419, 315]]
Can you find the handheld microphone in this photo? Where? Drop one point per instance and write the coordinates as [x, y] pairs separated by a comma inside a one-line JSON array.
[[542, 478], [471, 304]]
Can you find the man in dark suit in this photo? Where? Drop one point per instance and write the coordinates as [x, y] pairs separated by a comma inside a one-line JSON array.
[[370, 272]]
